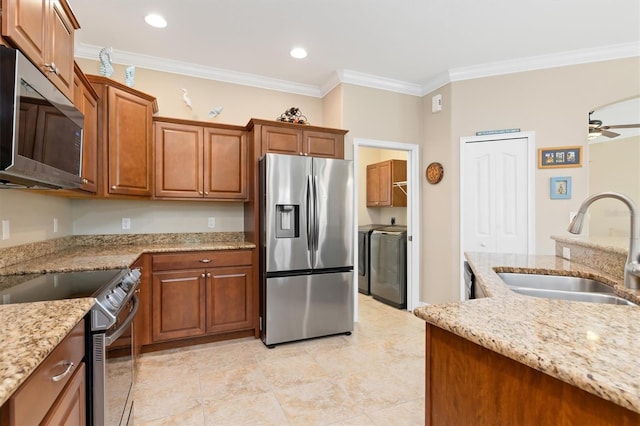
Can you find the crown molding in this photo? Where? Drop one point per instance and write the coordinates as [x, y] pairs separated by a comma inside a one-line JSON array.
[[185, 68], [375, 82], [574, 57]]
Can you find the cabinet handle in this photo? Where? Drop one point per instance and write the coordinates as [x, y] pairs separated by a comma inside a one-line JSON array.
[[200, 192], [52, 68], [65, 373], [205, 261], [208, 274], [202, 275], [85, 181], [206, 193], [114, 187]]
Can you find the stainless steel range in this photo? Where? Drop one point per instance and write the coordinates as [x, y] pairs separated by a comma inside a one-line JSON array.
[[110, 354]]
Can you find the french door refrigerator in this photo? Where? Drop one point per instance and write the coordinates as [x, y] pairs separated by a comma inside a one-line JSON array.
[[306, 247]]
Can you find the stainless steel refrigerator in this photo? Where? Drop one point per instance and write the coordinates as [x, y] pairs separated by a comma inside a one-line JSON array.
[[306, 247]]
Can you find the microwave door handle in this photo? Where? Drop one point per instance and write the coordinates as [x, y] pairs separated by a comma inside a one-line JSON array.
[[309, 215], [115, 334]]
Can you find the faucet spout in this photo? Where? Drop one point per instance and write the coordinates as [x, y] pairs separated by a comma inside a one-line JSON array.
[[632, 267]]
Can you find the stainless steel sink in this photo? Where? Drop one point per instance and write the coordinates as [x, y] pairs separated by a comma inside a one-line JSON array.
[[561, 287], [574, 296], [554, 282]]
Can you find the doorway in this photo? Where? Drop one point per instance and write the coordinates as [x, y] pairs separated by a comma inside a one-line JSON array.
[[497, 195], [412, 215]]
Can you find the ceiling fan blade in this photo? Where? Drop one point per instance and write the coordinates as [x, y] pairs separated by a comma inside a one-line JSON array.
[[622, 126], [609, 134]]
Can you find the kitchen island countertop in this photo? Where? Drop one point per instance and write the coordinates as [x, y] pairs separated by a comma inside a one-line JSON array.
[[594, 347]]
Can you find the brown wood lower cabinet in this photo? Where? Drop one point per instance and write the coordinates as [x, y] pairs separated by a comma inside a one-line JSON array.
[[191, 302], [467, 384], [54, 394]]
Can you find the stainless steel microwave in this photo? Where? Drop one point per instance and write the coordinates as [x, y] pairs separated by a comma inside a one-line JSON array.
[[40, 129]]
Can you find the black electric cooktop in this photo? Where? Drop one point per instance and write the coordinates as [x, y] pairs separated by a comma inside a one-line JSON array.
[[57, 286]]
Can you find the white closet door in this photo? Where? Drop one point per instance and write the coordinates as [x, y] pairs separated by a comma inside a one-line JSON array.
[[495, 215]]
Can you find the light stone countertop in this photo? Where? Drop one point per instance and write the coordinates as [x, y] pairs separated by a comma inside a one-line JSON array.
[[30, 331], [28, 334], [595, 347]]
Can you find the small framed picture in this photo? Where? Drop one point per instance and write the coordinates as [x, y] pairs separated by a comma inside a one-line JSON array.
[[560, 188], [562, 156]]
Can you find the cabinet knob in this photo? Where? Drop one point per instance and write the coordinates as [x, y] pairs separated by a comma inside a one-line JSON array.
[[208, 274], [206, 193], [200, 192], [114, 187], [202, 275], [85, 181], [52, 68], [205, 260]]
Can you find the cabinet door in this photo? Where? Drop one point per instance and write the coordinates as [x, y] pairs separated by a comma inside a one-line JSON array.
[[281, 140], [178, 308], [179, 163], [23, 22], [320, 144], [88, 105], [229, 299], [60, 50], [384, 184], [225, 172], [373, 185], [69, 409], [129, 144]]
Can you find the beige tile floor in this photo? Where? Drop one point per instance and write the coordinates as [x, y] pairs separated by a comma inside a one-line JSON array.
[[373, 377]]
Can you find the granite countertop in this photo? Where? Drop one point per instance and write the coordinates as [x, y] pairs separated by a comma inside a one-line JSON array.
[[30, 331], [28, 334], [592, 346]]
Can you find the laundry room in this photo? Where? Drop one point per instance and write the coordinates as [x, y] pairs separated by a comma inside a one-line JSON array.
[[382, 225]]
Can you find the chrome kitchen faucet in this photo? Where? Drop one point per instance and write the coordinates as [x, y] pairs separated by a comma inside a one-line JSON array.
[[632, 267]]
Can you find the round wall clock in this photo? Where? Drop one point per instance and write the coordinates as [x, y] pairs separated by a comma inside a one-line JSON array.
[[434, 173]]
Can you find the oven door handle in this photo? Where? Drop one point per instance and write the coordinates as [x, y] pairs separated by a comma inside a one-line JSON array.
[[115, 334]]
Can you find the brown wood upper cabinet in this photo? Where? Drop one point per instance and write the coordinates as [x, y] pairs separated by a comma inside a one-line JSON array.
[[381, 177], [44, 31], [297, 139], [200, 161], [86, 100], [125, 139]]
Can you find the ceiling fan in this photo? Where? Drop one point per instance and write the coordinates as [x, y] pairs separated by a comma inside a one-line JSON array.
[[596, 128]]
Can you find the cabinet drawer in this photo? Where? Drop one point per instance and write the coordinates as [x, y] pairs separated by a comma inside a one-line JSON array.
[[32, 401], [201, 259]]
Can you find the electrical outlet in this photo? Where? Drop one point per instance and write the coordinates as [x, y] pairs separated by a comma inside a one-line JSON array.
[[436, 103], [212, 222], [55, 225], [126, 223], [5, 230], [566, 253]]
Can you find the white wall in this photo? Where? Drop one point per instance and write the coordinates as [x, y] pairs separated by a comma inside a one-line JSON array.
[[149, 217], [31, 216]]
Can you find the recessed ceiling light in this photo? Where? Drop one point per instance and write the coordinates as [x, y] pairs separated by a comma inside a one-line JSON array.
[[298, 53], [155, 20]]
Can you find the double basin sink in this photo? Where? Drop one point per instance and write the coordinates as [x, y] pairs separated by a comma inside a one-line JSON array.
[[562, 287]]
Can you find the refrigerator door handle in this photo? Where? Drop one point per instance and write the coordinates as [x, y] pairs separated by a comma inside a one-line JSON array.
[[310, 224], [316, 215]]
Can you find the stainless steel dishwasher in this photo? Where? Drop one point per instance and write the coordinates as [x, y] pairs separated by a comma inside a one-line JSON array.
[[389, 265]]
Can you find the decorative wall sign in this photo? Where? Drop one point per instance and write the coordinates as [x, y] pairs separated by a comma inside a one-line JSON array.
[[496, 132], [560, 188], [561, 156], [434, 173]]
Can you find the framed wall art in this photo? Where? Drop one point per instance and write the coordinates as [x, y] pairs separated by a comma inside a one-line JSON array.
[[561, 156], [560, 188]]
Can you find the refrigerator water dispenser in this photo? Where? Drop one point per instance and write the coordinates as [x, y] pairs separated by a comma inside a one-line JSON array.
[[287, 221]]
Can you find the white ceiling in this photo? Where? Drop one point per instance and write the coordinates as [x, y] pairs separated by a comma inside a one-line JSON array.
[[411, 46]]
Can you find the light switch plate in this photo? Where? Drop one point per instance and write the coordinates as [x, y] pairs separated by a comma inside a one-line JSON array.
[[211, 223], [126, 223], [5, 230]]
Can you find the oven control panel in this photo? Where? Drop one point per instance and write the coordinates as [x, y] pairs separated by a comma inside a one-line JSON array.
[[113, 297]]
